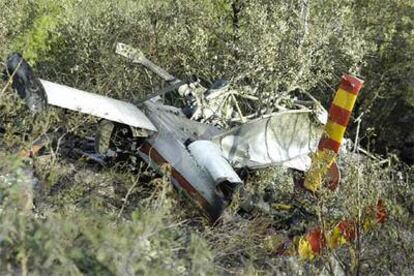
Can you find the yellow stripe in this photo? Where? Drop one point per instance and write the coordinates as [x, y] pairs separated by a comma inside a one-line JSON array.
[[345, 99], [335, 131], [321, 162], [305, 249]]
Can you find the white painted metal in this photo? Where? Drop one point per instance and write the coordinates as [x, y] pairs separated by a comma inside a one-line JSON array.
[[272, 140], [96, 105], [210, 158]]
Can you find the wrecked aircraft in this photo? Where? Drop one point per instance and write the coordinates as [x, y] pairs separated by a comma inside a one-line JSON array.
[[204, 153]]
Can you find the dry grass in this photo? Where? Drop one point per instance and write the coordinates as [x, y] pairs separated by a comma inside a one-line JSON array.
[[90, 219], [77, 225]]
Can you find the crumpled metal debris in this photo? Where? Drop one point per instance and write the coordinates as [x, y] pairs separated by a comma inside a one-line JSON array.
[[215, 105], [281, 138]]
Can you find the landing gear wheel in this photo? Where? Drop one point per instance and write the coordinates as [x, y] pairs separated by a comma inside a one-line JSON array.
[[116, 141]]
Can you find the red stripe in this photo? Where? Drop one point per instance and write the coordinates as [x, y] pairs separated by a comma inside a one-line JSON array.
[[351, 84], [339, 115], [329, 144], [154, 155]]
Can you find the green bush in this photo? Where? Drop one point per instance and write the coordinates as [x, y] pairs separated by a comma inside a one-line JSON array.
[[83, 222]]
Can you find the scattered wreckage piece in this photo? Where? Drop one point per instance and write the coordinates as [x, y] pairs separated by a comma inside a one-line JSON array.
[[36, 146], [344, 232], [164, 134]]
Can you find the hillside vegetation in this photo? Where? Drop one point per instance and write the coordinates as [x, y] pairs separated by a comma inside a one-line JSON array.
[[89, 219]]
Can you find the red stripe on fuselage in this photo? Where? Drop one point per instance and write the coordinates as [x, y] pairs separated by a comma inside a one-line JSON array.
[[154, 155]]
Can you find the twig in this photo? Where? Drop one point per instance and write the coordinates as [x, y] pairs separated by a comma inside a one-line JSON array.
[[358, 121], [10, 80], [238, 108], [367, 153], [125, 199]]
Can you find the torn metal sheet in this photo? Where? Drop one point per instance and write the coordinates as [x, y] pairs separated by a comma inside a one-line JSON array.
[[185, 128], [96, 105], [300, 163], [272, 140], [214, 105]]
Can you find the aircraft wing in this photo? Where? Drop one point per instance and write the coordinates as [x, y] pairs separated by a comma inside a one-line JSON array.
[[281, 138], [96, 105]]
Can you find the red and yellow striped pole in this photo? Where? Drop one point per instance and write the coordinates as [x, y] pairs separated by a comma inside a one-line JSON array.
[[339, 115]]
